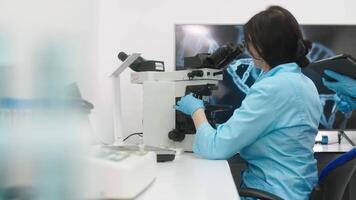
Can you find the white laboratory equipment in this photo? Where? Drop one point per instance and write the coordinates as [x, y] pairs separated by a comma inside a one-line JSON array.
[[119, 174], [162, 125], [40, 148]]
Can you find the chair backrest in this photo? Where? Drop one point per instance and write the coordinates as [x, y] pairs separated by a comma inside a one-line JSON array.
[[335, 177]]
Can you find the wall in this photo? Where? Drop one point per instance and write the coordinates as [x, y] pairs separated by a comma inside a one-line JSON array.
[[28, 29], [45, 45], [148, 27]]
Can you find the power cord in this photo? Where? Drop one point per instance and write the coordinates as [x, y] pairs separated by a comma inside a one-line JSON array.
[[139, 134]]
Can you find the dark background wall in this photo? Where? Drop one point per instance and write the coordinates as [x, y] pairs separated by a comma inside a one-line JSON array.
[[328, 40]]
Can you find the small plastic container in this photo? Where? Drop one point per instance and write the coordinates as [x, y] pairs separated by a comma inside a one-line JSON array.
[[324, 139]]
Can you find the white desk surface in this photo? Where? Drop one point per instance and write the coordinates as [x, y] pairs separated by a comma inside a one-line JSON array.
[[192, 178], [333, 148]]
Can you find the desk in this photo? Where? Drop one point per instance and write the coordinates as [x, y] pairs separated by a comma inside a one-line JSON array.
[[326, 153], [333, 148], [189, 177]]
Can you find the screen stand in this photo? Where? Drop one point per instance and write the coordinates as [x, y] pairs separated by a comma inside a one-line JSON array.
[[340, 134], [115, 76]]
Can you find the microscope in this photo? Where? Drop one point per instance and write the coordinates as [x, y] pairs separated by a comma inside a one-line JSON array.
[[163, 126]]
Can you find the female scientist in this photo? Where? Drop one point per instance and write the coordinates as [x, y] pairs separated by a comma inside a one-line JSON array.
[[274, 129]]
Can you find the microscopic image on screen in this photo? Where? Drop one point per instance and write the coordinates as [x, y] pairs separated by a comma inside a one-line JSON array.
[[240, 74]]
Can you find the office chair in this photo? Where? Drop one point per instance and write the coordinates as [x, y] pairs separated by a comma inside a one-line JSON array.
[[334, 181]]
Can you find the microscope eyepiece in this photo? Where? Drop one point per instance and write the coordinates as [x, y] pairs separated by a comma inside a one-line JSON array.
[[122, 56], [141, 64]]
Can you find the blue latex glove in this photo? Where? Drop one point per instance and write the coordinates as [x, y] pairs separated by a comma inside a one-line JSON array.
[[342, 105], [344, 86], [345, 103], [189, 104]]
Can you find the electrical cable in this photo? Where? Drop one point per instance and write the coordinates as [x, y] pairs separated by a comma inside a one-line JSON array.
[[139, 134]]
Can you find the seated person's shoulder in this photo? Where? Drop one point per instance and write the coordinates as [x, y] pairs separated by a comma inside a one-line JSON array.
[[274, 85]]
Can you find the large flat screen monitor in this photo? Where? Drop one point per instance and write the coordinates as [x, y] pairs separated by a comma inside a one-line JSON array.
[[327, 41]]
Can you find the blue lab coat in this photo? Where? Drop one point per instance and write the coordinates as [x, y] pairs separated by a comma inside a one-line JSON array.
[[274, 131]]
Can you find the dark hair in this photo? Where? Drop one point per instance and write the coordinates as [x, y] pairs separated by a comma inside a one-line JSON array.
[[276, 36]]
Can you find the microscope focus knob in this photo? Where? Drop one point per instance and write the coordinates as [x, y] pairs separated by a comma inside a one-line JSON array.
[[176, 135]]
